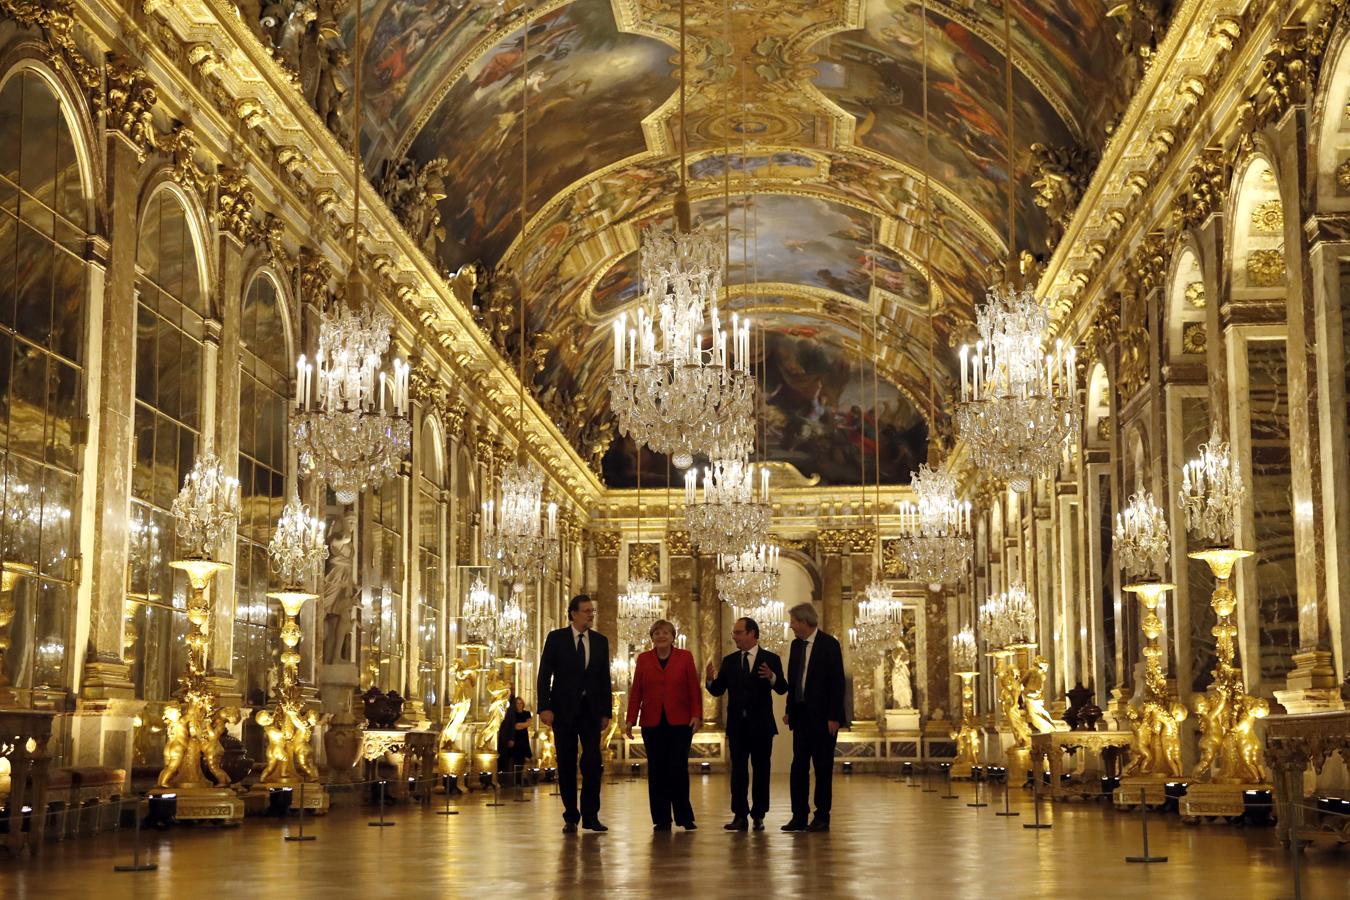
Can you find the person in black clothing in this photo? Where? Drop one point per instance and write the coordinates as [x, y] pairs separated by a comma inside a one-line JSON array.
[[749, 677], [576, 700], [513, 740], [815, 713]]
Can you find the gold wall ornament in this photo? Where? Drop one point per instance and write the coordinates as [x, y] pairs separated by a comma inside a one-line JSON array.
[[1230, 750], [1195, 294], [1151, 261], [1059, 176], [967, 737], [1343, 177], [678, 543], [1285, 77], [1204, 188], [129, 104], [838, 541], [1132, 374], [1156, 746], [1101, 335], [316, 274], [454, 417], [605, 543], [56, 20], [1268, 217], [1193, 337], [1265, 268], [892, 564], [644, 561], [234, 204]]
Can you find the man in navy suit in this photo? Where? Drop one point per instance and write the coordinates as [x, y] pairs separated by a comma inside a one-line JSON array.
[[575, 698], [749, 677], [815, 713]]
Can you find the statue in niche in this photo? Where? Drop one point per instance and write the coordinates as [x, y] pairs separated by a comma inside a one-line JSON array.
[[902, 685], [339, 591], [332, 93], [499, 694]]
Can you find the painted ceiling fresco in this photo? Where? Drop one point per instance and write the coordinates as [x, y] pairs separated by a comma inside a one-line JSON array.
[[811, 109]]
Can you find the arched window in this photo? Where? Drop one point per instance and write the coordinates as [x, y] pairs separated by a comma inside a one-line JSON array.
[[262, 484], [43, 286], [431, 479], [171, 311]]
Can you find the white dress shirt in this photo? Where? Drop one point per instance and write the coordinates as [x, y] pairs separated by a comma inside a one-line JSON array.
[[585, 642], [806, 661]]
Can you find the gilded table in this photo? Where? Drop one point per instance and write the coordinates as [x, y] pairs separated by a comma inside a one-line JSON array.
[[1052, 745]]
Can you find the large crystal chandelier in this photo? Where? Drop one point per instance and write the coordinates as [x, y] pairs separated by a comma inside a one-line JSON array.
[[1018, 405], [478, 615], [1211, 491], [515, 535], [1141, 541], [935, 539], [1008, 620], [512, 628], [748, 579], [297, 546], [639, 607], [965, 654], [728, 514], [350, 423], [668, 390], [206, 509]]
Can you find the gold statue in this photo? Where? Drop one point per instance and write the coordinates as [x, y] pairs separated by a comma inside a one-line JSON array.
[[302, 745], [1010, 699], [278, 768], [465, 680], [967, 737], [545, 748], [607, 739], [1156, 722], [213, 751], [175, 744], [1033, 697], [499, 692]]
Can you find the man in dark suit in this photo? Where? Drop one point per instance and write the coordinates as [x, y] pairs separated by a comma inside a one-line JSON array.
[[749, 677], [815, 713], [575, 697]]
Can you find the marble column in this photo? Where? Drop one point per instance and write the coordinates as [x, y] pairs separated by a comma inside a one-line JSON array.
[[937, 690], [680, 561], [606, 596], [868, 706], [106, 674], [710, 629]]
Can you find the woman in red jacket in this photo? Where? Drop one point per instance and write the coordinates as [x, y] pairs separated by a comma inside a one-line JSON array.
[[666, 694]]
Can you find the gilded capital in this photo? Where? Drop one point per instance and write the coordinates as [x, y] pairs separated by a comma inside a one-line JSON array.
[[234, 204], [679, 544], [129, 104], [605, 543]]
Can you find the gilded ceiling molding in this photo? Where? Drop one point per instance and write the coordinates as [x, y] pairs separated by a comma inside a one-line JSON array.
[[1059, 175], [129, 104], [56, 20], [839, 541]]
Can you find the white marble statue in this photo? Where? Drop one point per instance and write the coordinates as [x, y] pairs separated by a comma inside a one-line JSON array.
[[902, 688]]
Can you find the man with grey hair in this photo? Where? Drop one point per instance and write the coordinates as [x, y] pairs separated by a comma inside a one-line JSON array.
[[815, 713]]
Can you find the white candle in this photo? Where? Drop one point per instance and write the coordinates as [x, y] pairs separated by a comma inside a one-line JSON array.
[[965, 357]]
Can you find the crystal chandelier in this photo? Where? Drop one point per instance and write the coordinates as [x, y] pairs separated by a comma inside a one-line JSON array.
[[1008, 620], [523, 545], [1211, 491], [935, 538], [728, 515], [512, 627], [297, 546], [1018, 404], [639, 607], [876, 625], [1142, 541], [206, 508], [667, 389], [479, 614], [965, 655], [748, 579]]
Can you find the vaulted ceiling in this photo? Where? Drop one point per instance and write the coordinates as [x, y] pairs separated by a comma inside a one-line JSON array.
[[808, 114]]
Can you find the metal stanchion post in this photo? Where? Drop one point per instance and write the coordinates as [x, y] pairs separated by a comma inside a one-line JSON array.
[[978, 802], [1006, 810], [301, 836], [927, 773], [381, 823], [947, 771], [1295, 817], [1143, 818], [447, 811], [1036, 806], [520, 785], [136, 864], [495, 802]]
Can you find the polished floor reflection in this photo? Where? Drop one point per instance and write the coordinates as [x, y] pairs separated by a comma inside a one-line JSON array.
[[888, 841]]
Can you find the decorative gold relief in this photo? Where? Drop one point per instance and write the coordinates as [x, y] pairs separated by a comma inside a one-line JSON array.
[[605, 543], [837, 541], [1265, 268], [1059, 176], [1204, 188], [805, 546], [1134, 361], [679, 544], [453, 417], [129, 104], [1195, 294], [1104, 428], [1193, 337], [181, 146], [891, 564], [1268, 217], [234, 204], [56, 19], [644, 561], [1343, 176]]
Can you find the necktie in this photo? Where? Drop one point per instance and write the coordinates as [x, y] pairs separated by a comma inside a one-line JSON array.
[[745, 663], [581, 650]]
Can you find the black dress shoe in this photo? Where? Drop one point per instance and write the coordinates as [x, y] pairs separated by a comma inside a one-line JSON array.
[[759, 824], [819, 825], [794, 825], [570, 828], [594, 825], [689, 826], [665, 826], [737, 824]]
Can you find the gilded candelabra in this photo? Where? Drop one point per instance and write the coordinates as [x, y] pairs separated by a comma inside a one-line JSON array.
[[10, 573], [205, 511], [967, 737]]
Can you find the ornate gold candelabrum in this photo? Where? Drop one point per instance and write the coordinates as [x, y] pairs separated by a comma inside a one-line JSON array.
[[288, 726], [1230, 752], [10, 573], [1156, 749], [964, 654]]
